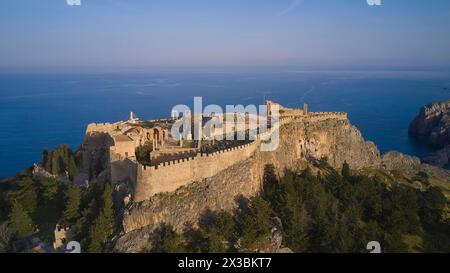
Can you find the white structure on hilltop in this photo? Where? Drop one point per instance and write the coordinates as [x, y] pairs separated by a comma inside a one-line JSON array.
[[133, 118]]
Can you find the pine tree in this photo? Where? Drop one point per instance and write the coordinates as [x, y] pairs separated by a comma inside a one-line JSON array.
[[59, 161], [346, 170], [49, 189], [26, 195], [255, 221], [103, 226], [108, 209], [221, 232], [97, 235], [45, 158], [20, 222], [170, 241], [71, 212], [72, 168]]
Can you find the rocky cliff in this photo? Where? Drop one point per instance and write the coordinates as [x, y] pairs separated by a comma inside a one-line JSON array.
[[336, 140], [432, 125], [300, 142]]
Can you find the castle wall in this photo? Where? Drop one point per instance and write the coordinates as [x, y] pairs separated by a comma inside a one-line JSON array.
[[321, 116], [101, 127], [169, 176], [333, 138]]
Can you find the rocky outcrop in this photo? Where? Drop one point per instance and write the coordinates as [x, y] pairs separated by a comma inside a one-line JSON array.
[[433, 124], [397, 161], [275, 240], [140, 240], [339, 141], [411, 165], [440, 158], [336, 140]]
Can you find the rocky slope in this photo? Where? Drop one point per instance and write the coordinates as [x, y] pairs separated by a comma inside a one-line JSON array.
[[300, 143], [432, 125]]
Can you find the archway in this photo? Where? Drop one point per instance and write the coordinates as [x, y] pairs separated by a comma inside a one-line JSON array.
[[156, 135]]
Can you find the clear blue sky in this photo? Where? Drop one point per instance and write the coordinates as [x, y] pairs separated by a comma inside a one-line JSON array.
[[121, 33]]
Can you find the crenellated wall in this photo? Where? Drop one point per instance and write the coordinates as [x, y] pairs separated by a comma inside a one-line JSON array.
[[321, 116], [333, 138], [168, 176], [101, 127]]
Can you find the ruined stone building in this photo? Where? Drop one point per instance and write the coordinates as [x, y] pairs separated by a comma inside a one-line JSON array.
[[173, 163]]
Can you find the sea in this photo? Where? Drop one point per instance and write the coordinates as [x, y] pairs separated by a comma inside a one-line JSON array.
[[40, 110]]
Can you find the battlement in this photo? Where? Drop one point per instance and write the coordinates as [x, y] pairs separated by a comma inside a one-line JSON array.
[[101, 127], [170, 170], [314, 117], [320, 116], [170, 175], [330, 114]]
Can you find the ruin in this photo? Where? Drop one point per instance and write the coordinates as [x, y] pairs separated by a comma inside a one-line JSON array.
[[178, 162]]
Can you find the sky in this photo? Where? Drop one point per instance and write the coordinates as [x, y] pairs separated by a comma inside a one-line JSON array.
[[129, 33]]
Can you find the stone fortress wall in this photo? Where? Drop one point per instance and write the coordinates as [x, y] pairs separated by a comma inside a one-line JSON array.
[[300, 139], [167, 176], [101, 127]]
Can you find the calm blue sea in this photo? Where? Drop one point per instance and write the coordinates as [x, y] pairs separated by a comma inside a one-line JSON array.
[[42, 110]]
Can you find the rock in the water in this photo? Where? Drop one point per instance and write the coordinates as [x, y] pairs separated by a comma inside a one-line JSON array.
[[433, 124], [440, 158]]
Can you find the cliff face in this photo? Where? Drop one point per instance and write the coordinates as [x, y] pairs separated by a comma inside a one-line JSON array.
[[433, 124], [439, 158], [339, 141], [94, 153], [300, 142]]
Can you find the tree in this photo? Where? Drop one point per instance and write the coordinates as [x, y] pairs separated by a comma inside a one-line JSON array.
[[197, 240], [26, 195], [323, 162], [220, 233], [345, 170], [432, 206], [71, 212], [254, 221], [143, 152], [270, 178], [49, 189], [103, 227], [20, 222], [59, 161], [170, 241], [400, 210], [84, 223], [108, 209]]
